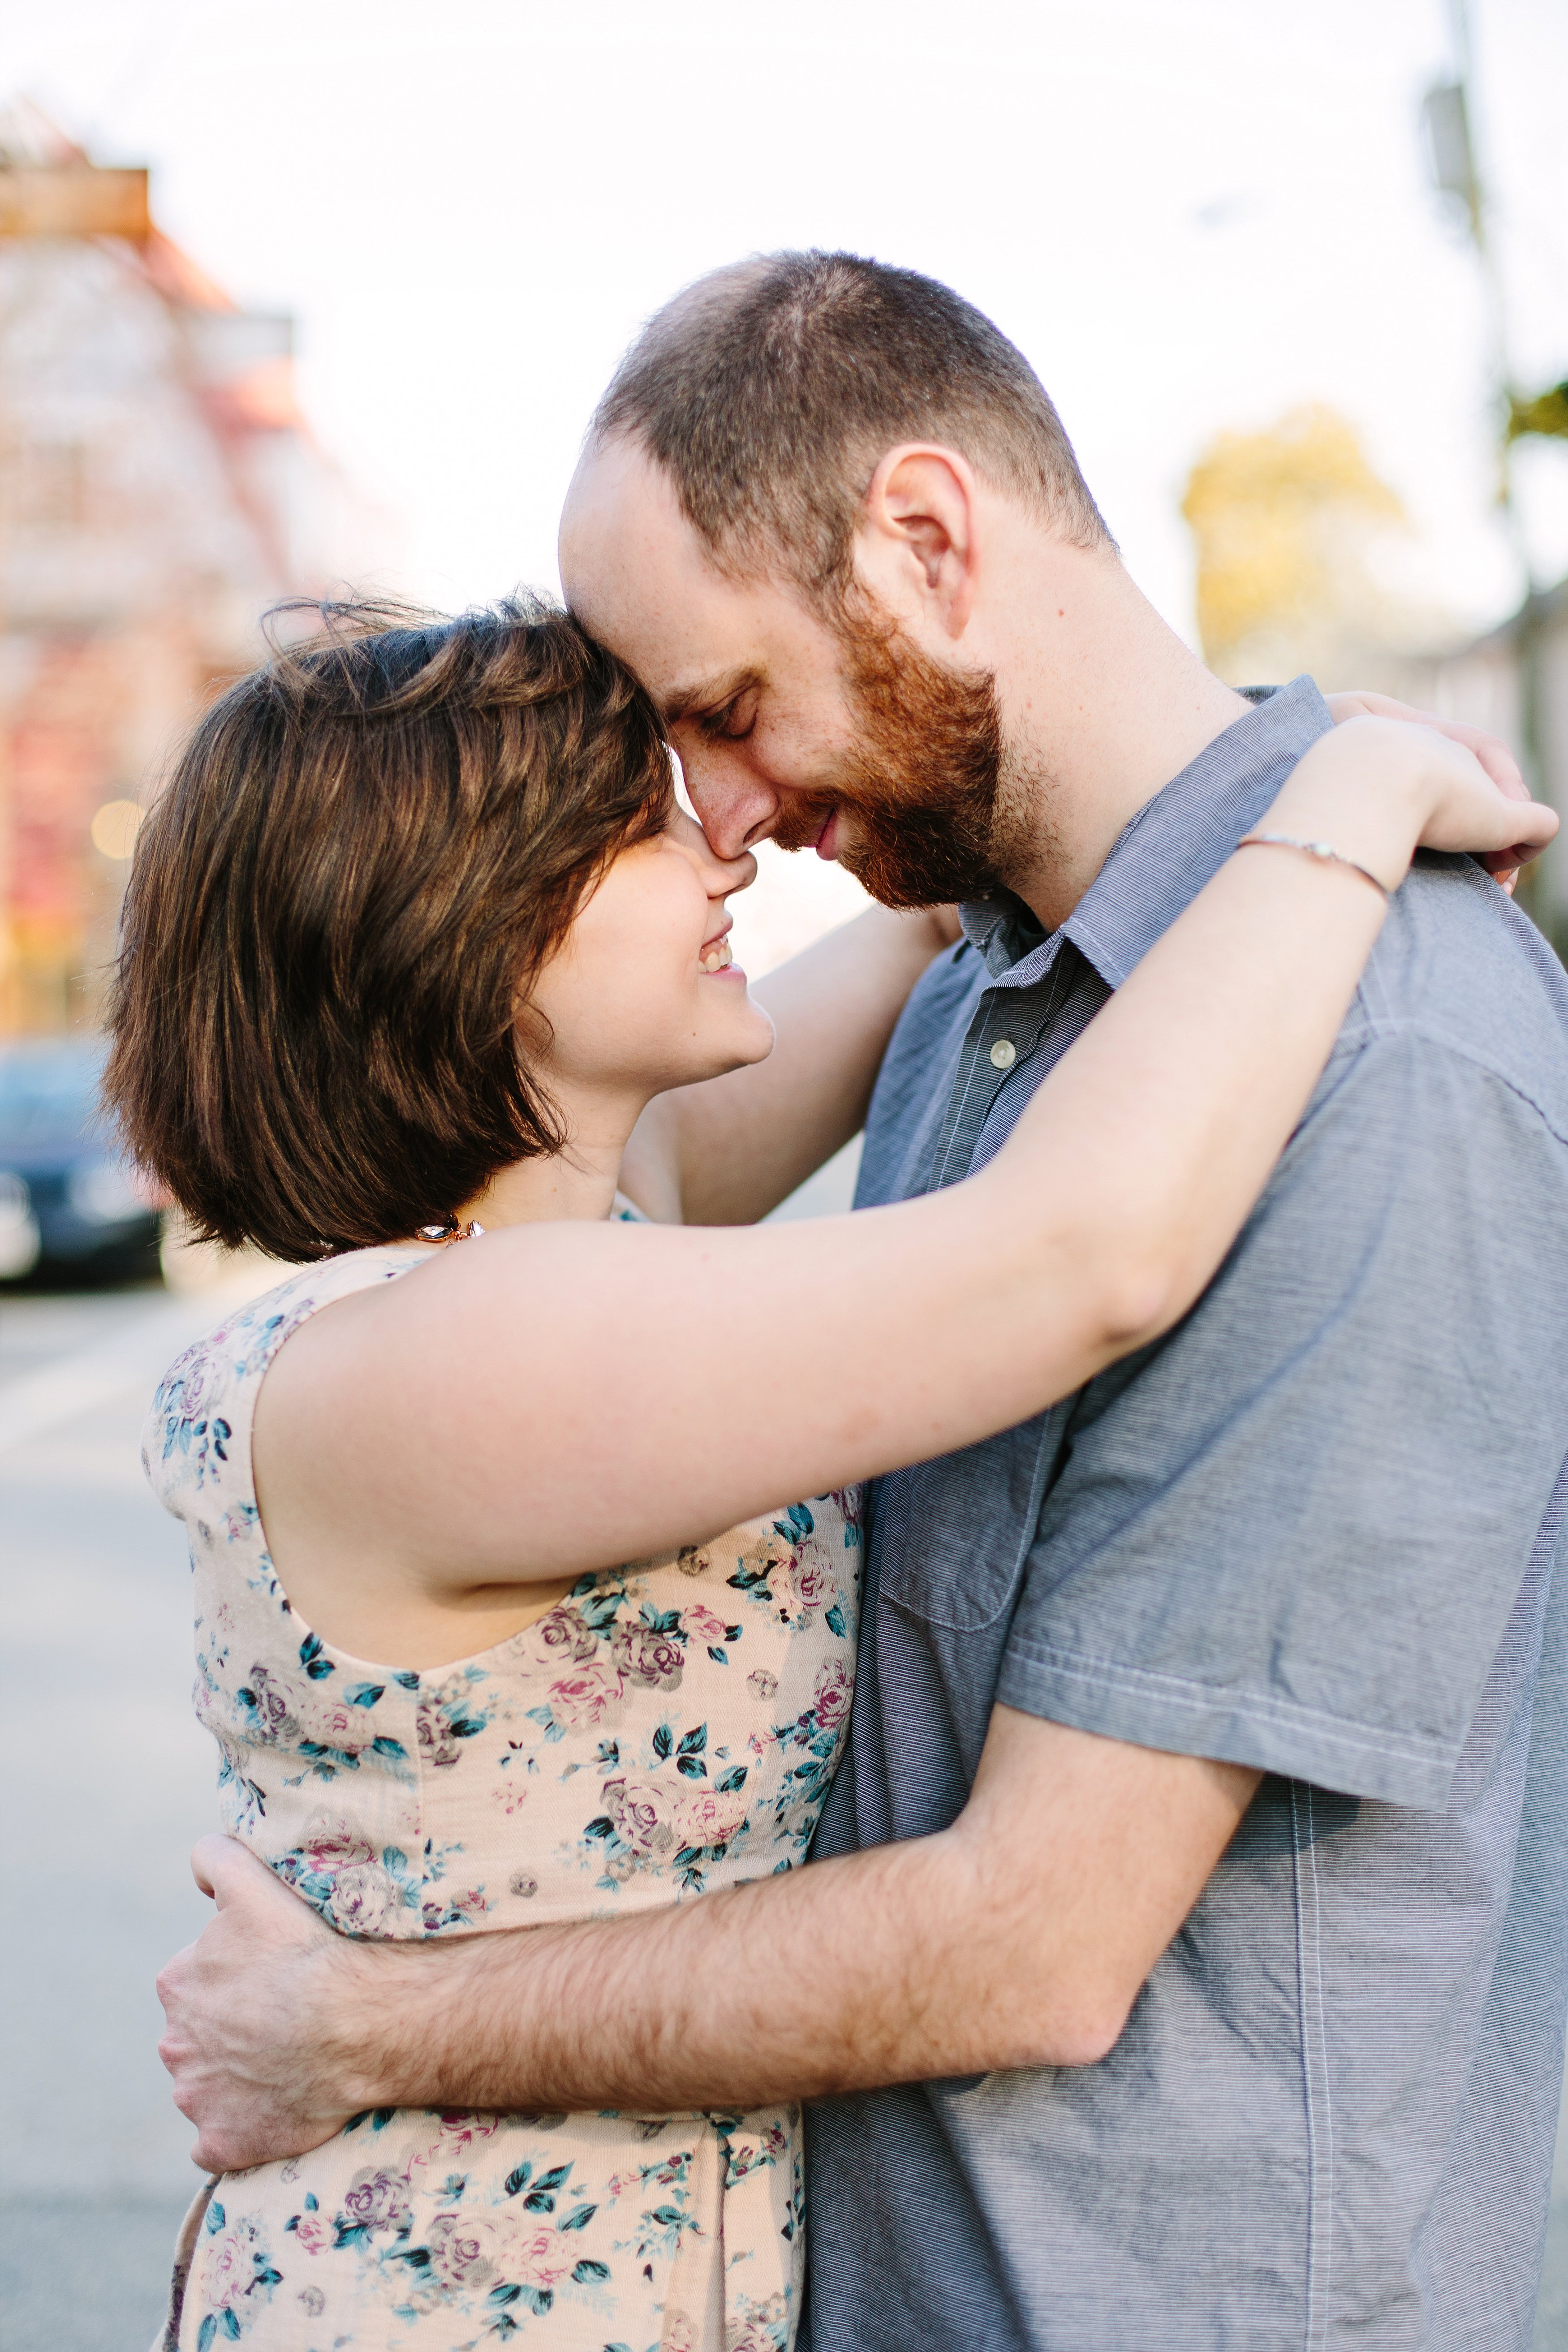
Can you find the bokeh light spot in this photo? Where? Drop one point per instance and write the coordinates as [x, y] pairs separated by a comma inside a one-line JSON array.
[[115, 828]]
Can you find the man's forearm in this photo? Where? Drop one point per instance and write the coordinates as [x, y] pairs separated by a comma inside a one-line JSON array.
[[838, 1977], [1019, 1936]]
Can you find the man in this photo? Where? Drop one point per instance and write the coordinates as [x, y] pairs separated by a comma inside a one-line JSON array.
[[1206, 1763]]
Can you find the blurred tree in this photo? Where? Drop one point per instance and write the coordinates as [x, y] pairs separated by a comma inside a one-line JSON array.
[[1546, 415], [1284, 520]]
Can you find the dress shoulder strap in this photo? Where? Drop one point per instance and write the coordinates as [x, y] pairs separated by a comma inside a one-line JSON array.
[[195, 1443]]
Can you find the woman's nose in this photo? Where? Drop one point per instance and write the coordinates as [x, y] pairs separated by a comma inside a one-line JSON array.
[[731, 874], [732, 806], [721, 874]]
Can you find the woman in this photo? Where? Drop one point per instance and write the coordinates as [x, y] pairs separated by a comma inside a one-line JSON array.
[[413, 939]]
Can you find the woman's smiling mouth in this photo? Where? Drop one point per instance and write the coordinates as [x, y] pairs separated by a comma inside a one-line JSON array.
[[715, 954]]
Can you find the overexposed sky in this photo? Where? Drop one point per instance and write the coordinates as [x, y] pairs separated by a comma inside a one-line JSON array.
[[1189, 213]]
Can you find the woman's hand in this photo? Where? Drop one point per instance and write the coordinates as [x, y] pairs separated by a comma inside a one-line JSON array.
[[1489, 750], [1378, 789]]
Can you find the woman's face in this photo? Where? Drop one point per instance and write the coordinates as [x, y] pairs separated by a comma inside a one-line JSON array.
[[641, 995]]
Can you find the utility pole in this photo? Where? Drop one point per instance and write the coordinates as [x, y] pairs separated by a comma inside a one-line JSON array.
[[1448, 118], [1448, 115]]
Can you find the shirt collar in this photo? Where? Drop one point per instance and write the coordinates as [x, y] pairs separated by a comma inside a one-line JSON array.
[[1160, 861]]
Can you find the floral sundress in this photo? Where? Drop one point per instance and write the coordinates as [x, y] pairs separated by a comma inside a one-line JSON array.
[[670, 1727]]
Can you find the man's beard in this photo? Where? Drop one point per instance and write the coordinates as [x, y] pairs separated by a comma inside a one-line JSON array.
[[924, 782]]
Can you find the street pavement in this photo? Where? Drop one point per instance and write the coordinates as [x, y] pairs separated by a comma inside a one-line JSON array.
[[107, 1783]]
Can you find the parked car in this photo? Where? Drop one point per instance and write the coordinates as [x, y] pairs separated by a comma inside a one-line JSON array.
[[69, 1201]]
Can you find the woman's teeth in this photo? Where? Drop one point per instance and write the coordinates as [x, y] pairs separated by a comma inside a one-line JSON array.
[[718, 957]]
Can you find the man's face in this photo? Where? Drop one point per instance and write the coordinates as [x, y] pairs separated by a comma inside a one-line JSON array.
[[851, 741]]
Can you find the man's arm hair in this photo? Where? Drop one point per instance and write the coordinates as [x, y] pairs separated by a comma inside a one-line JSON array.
[[1019, 1936]]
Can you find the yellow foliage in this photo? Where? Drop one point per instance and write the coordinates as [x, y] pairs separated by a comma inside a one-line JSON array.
[[1281, 519], [1546, 414]]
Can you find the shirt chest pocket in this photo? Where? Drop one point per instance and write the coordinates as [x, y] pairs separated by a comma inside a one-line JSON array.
[[953, 1535]]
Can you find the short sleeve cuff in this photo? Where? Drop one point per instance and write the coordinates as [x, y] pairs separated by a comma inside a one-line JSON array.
[[1233, 1726]]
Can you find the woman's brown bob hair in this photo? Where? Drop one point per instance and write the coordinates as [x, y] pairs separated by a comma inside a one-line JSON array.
[[363, 856]]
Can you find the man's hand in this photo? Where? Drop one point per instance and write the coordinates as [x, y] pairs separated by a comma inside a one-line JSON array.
[[1019, 1936], [1489, 750], [241, 2003]]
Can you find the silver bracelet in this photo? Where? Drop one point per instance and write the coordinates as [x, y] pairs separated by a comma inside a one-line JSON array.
[[1322, 850]]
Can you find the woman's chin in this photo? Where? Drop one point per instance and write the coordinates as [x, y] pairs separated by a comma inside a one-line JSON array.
[[744, 1036]]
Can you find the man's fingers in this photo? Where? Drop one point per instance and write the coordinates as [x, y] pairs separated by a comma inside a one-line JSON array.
[[214, 2153], [206, 1861], [168, 1982], [228, 1871]]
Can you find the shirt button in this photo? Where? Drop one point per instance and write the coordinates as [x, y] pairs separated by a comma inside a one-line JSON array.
[[1004, 1054]]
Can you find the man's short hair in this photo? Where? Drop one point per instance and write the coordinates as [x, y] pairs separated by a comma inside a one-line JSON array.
[[770, 390]]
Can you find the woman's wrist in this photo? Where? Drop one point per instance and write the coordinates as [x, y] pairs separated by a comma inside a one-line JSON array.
[[1368, 802]]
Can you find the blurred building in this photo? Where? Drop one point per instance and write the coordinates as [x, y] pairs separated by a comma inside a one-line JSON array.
[[158, 490], [1514, 680]]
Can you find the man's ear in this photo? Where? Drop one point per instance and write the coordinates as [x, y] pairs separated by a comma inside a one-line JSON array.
[[915, 549]]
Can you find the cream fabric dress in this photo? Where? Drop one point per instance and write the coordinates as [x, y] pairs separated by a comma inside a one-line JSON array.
[[670, 1729]]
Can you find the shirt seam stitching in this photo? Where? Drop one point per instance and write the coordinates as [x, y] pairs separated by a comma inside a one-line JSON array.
[[1395, 1024], [1208, 1697]]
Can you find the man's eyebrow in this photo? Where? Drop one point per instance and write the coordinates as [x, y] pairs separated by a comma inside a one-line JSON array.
[[707, 693]]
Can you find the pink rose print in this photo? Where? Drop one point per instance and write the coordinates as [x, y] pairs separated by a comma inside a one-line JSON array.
[[813, 1584], [647, 1658], [585, 1698], [762, 2328], [333, 1724], [702, 1625], [364, 1898], [313, 2231], [834, 1690], [230, 2268], [329, 1844], [711, 1816], [376, 2200], [539, 2258], [278, 1704], [559, 1638], [463, 2251], [190, 1382], [647, 1813]]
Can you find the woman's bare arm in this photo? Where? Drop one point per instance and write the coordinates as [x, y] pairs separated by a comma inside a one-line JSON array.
[[727, 1152], [561, 1396]]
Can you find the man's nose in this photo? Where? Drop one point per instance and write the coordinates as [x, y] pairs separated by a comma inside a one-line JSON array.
[[736, 811]]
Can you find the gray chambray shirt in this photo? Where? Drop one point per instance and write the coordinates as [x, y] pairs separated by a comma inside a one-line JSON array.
[[1318, 1529]]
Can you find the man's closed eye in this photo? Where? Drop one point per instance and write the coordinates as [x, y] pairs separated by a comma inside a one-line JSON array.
[[734, 719]]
